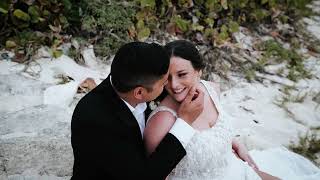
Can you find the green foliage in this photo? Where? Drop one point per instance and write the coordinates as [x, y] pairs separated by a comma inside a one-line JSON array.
[[24, 23], [21, 15], [308, 146], [147, 3], [250, 74], [274, 51], [216, 20], [108, 21]]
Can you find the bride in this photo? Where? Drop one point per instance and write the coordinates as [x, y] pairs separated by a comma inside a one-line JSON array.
[[212, 152]]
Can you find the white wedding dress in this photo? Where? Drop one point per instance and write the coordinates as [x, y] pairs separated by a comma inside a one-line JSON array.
[[210, 157]]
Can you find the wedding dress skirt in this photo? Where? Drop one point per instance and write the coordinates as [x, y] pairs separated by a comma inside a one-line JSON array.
[[285, 164], [210, 157]]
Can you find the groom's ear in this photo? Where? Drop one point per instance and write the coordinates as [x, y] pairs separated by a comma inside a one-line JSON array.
[[138, 92]]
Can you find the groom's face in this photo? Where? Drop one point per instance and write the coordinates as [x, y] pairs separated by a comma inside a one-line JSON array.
[[157, 88]]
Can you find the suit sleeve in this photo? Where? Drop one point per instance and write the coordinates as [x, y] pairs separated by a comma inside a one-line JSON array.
[[118, 155]]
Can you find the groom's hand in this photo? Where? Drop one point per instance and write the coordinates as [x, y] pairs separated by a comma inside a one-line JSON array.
[[192, 106]]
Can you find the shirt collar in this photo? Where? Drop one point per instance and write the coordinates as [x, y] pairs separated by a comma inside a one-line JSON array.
[[140, 108]]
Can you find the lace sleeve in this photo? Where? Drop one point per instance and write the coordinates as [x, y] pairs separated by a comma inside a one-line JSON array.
[[162, 108]]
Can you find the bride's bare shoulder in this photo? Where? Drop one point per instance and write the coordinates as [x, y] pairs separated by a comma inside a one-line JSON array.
[[161, 121], [169, 102]]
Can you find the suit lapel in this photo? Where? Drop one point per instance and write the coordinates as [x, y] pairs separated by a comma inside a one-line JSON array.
[[122, 110]]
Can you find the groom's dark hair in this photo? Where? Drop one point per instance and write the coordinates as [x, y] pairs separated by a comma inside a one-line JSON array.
[[138, 64]]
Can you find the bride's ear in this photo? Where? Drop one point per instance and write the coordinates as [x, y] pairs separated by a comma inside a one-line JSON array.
[[199, 74]]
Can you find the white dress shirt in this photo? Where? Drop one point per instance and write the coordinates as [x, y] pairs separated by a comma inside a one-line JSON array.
[[138, 113], [180, 129]]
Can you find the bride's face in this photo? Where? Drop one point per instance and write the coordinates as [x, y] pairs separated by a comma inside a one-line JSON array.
[[182, 76]]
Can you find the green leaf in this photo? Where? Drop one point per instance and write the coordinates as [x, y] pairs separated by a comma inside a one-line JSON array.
[[63, 20], [41, 19], [243, 3], [4, 6], [140, 24], [148, 3], [57, 53], [34, 12], [3, 11], [10, 44], [67, 4], [208, 32], [233, 27], [209, 21], [272, 3], [210, 4], [46, 13], [29, 2], [199, 2], [197, 27], [259, 14], [224, 4], [140, 15], [143, 34], [21, 15], [44, 2], [264, 1], [223, 35], [182, 24]]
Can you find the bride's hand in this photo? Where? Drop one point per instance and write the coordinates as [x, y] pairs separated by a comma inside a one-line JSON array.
[[244, 155], [241, 151]]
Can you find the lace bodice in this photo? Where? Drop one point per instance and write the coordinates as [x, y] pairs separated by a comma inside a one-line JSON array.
[[209, 150]]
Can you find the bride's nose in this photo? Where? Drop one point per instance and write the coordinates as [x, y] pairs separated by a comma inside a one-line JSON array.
[[174, 83]]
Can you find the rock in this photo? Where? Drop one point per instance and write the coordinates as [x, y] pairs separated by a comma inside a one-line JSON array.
[[36, 141], [276, 79], [275, 69], [244, 40], [61, 95], [216, 61], [89, 57], [75, 44], [42, 52], [34, 138]]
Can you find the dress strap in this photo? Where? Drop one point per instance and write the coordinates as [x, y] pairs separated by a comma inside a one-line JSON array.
[[162, 108], [213, 94]]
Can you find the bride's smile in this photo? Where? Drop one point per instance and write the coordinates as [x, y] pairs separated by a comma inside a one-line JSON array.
[[182, 76]]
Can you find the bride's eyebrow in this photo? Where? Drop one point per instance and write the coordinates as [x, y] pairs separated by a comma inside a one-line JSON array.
[[182, 71]]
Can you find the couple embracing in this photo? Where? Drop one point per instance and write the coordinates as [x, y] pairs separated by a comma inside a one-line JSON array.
[[188, 136]]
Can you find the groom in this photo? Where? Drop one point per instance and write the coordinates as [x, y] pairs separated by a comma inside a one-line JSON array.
[[107, 124]]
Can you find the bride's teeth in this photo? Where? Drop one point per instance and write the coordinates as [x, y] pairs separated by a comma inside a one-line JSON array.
[[178, 91]]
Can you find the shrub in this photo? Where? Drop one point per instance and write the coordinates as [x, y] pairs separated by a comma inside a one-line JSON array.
[[108, 23], [308, 146]]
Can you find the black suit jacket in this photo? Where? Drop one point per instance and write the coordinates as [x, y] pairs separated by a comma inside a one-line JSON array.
[[107, 143]]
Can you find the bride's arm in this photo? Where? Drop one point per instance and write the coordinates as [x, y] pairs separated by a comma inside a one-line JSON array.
[[242, 152], [156, 129]]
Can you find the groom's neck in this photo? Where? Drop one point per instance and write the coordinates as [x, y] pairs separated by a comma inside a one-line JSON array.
[[129, 98]]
